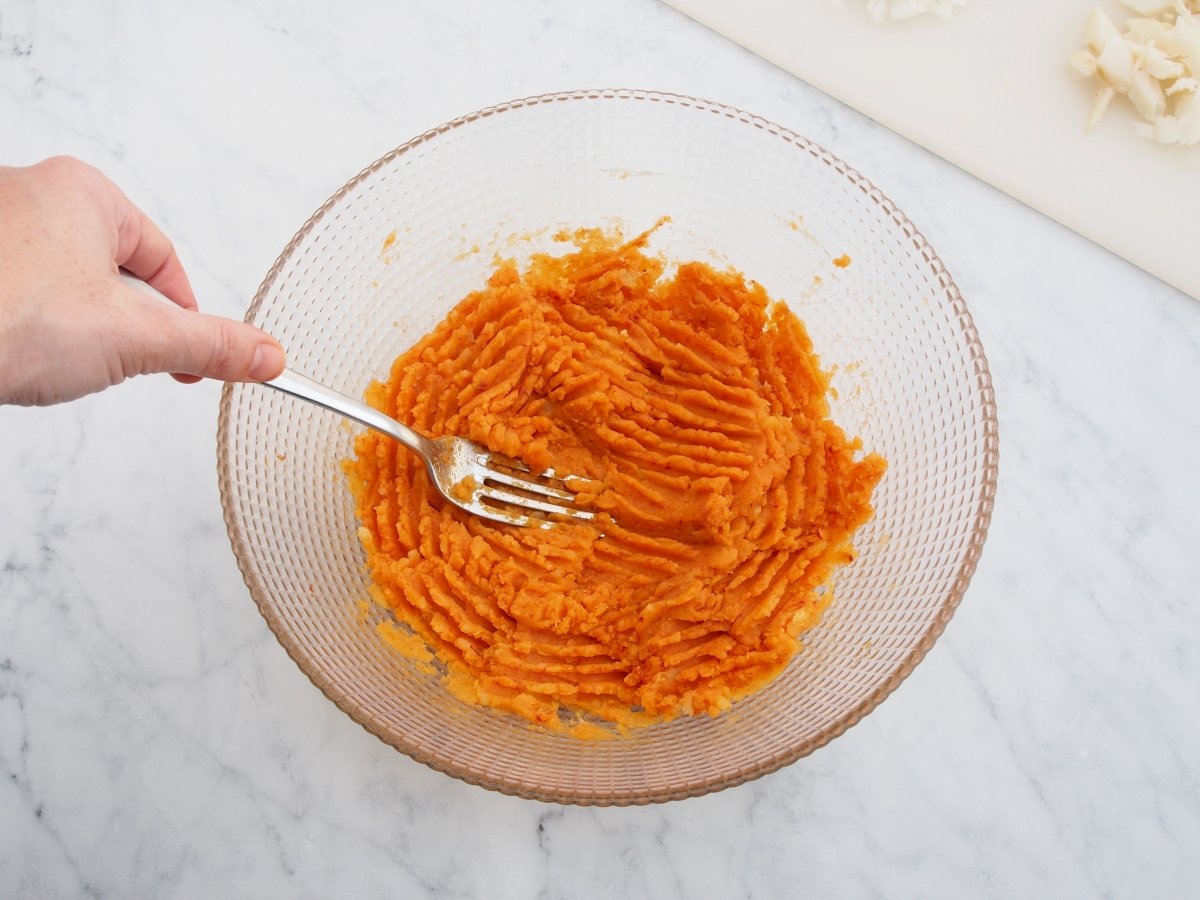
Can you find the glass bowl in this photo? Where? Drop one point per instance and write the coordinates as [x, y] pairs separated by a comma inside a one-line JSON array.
[[390, 253]]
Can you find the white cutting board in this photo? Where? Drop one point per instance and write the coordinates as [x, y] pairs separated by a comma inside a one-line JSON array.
[[989, 91]]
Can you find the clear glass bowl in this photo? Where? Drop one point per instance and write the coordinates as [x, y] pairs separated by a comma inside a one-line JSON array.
[[911, 380]]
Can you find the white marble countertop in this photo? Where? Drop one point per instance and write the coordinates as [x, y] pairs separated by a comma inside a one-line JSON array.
[[156, 741]]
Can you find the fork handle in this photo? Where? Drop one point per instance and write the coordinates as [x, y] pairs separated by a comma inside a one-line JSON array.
[[297, 385], [305, 388]]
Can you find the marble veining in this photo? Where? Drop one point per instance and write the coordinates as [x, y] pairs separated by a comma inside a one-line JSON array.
[[156, 741]]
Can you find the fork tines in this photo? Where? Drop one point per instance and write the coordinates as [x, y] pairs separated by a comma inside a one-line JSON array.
[[510, 484]]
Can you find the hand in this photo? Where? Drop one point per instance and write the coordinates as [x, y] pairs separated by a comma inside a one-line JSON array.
[[69, 327]]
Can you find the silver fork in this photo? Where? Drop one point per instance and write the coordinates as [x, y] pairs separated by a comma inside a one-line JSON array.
[[498, 491], [505, 493]]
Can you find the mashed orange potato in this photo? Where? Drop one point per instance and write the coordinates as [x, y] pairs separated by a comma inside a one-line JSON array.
[[725, 494]]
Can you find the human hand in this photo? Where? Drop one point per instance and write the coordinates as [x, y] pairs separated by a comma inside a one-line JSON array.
[[69, 327]]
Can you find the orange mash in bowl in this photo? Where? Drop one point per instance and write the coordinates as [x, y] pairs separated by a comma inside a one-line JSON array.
[[726, 496]]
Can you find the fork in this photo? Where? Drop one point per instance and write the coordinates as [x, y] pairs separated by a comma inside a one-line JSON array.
[[467, 475]]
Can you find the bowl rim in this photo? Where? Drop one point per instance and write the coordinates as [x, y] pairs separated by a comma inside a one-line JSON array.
[[984, 501]]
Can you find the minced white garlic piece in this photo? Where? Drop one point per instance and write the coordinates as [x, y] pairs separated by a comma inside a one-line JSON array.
[[894, 10], [1153, 59]]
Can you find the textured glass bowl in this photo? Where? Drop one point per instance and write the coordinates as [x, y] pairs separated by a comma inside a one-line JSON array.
[[911, 379]]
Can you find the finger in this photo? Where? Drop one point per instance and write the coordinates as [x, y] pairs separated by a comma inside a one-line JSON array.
[[159, 338], [140, 245], [144, 250], [178, 376]]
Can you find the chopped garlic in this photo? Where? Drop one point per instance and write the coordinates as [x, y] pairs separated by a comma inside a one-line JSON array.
[[1082, 63], [1100, 32], [1159, 65], [1183, 84], [1100, 101], [1153, 59], [1156, 7], [894, 10], [1115, 65], [1147, 96], [1187, 110]]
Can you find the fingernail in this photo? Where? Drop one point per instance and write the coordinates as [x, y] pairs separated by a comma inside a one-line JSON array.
[[267, 362]]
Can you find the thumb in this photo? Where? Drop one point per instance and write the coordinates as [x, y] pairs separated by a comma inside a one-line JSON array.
[[185, 342]]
